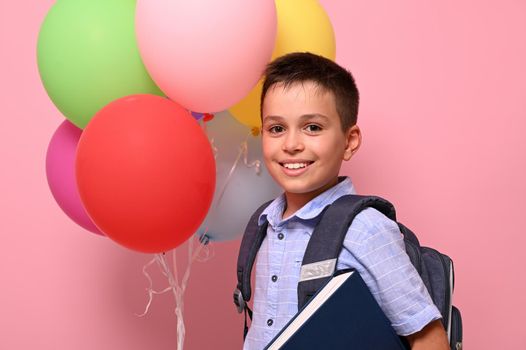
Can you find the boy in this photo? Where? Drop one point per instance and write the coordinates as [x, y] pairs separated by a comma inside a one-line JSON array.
[[309, 108]]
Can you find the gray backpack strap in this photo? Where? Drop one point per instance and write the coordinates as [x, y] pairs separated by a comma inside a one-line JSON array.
[[324, 247], [252, 239]]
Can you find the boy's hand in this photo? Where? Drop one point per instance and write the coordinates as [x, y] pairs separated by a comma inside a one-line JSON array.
[[431, 337]]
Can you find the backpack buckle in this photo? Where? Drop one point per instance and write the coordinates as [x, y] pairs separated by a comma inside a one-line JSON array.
[[239, 300]]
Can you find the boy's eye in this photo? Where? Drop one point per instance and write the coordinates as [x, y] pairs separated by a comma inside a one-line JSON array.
[[313, 128], [276, 129]]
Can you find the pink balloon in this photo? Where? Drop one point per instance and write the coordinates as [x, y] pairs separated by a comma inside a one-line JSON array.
[[60, 171], [206, 54]]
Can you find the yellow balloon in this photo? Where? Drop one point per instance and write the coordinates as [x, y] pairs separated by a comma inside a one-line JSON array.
[[303, 25]]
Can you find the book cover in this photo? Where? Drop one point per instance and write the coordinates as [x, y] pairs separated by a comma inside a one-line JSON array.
[[341, 315]]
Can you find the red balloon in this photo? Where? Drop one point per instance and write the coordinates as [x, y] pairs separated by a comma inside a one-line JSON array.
[[145, 172]]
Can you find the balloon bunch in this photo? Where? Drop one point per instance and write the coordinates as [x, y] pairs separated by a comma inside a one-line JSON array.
[[141, 158], [142, 171]]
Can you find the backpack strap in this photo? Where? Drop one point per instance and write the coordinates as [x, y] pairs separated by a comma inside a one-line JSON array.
[[325, 244], [250, 244]]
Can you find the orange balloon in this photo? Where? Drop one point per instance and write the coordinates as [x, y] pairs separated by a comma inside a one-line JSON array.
[[145, 172]]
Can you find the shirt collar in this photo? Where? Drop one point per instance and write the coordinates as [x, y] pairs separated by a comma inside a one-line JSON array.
[[274, 211]]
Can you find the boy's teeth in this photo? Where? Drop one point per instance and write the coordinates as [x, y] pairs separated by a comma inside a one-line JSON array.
[[294, 165]]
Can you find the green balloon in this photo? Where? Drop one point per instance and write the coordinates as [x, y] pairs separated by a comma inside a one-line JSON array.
[[88, 56]]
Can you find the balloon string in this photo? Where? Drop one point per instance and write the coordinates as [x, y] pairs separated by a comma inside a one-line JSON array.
[[214, 148], [150, 289], [177, 289], [243, 152], [212, 144]]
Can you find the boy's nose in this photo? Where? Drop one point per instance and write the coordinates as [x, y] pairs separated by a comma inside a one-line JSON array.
[[293, 143]]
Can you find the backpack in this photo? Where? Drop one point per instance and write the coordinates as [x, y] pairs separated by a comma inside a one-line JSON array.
[[323, 249]]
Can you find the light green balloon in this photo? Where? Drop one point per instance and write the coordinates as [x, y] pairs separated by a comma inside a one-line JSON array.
[[88, 56]]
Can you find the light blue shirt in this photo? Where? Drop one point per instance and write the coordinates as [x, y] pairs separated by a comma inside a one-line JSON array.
[[373, 246]]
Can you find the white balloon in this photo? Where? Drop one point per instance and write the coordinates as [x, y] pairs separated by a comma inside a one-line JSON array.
[[238, 196]]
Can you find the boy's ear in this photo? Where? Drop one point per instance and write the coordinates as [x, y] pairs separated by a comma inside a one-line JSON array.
[[353, 141]]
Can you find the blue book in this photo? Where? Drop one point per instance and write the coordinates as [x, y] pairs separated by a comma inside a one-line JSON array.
[[341, 315]]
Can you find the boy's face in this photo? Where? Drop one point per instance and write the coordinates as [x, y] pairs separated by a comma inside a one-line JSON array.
[[303, 142]]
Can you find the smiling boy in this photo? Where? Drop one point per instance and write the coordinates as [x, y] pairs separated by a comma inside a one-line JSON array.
[[309, 108]]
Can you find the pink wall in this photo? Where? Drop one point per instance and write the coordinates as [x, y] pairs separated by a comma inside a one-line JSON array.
[[443, 114], [443, 107]]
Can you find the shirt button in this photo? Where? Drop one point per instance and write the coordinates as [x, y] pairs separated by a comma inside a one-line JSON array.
[[274, 278], [270, 322], [281, 235]]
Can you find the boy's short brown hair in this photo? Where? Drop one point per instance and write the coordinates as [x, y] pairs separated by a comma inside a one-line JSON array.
[[299, 67]]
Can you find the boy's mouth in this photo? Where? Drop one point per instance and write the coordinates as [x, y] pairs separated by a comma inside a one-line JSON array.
[[292, 165]]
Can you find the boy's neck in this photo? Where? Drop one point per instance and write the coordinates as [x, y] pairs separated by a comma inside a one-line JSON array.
[[295, 201]]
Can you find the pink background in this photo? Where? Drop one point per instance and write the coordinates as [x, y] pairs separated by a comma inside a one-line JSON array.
[[443, 115]]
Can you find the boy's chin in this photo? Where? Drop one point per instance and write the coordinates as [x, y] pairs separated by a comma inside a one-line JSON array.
[[304, 188]]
